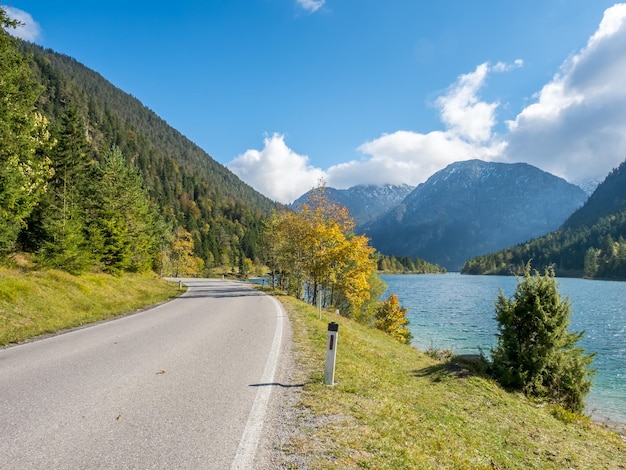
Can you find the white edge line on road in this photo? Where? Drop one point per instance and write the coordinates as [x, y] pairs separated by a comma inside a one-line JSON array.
[[252, 433]]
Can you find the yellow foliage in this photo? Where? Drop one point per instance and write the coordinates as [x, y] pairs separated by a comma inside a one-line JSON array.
[[184, 263], [391, 318], [314, 249], [320, 210]]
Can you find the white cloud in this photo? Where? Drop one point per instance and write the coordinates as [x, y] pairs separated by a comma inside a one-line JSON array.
[[402, 157], [407, 157], [461, 110], [504, 67], [577, 126], [276, 170], [29, 29], [311, 5], [411, 157]]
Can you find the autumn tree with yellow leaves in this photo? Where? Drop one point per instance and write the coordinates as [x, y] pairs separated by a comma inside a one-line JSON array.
[[178, 258], [391, 318], [315, 256]]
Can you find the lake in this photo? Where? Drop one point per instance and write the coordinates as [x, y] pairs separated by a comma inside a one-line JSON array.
[[450, 311]]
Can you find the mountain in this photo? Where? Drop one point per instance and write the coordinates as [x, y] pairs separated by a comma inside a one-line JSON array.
[[591, 243], [608, 198], [474, 207], [589, 185], [191, 190], [365, 202]]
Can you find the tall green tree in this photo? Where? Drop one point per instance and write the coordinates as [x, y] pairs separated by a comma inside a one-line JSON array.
[[62, 210], [24, 140], [125, 231], [536, 354]]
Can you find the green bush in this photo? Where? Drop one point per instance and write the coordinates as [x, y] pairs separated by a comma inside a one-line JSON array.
[[535, 353]]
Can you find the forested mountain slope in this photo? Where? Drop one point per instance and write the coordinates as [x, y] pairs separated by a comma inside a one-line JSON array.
[[609, 198], [190, 189], [591, 243]]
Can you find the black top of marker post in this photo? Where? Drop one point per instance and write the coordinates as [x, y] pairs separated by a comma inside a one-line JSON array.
[[332, 326]]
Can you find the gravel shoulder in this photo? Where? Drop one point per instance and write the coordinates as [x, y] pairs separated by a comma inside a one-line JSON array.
[[286, 420]]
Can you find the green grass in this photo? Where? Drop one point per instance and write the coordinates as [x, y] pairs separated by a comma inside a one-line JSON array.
[[394, 407], [33, 303]]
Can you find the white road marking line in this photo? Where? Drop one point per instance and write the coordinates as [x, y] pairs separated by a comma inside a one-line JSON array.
[[251, 434]]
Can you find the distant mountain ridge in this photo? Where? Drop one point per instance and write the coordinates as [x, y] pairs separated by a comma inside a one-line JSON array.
[[365, 202], [474, 207]]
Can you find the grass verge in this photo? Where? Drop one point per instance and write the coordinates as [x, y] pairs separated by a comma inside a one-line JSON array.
[[33, 303], [394, 407]]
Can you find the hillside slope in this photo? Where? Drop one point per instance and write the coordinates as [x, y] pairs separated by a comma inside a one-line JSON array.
[[607, 199], [192, 190]]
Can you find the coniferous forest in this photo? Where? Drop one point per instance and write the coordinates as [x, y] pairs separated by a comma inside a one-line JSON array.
[[92, 179]]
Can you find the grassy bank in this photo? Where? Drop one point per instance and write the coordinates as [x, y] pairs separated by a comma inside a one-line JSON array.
[[394, 407], [38, 302]]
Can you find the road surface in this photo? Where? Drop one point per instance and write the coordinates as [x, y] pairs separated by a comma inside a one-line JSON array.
[[182, 385]]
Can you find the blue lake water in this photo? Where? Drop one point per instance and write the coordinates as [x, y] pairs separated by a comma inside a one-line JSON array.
[[457, 312]]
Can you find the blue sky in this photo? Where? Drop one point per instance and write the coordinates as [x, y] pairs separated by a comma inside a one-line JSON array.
[[285, 92]]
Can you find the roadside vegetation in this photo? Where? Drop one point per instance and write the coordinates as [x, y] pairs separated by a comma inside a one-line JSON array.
[[33, 303], [314, 255], [394, 407]]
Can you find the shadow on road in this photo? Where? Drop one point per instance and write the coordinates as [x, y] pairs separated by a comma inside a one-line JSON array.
[[277, 384], [218, 293], [215, 289]]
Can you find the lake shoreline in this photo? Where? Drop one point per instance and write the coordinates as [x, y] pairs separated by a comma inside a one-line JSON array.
[[455, 312]]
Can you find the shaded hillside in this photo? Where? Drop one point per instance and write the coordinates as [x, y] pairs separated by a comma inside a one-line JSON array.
[[475, 207], [591, 243], [191, 189]]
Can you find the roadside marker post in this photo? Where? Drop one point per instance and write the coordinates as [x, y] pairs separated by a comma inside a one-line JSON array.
[[331, 353]]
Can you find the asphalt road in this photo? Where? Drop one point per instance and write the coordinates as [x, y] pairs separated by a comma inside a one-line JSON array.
[[182, 385]]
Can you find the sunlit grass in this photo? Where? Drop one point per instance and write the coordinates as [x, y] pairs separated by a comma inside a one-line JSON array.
[[394, 407], [39, 302]]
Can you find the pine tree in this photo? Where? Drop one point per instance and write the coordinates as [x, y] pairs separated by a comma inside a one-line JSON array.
[[124, 230], [63, 208], [535, 353]]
